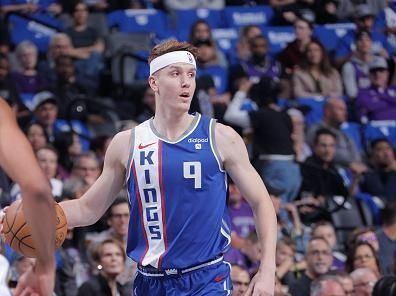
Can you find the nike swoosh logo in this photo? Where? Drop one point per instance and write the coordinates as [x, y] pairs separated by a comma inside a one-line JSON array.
[[219, 278], [145, 146]]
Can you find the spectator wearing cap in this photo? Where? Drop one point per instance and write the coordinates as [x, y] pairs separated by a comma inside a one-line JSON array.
[[346, 153], [45, 109], [27, 78], [355, 72], [364, 20], [378, 102], [381, 180]]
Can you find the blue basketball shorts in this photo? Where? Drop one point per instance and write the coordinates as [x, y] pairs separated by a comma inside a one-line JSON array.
[[212, 280]]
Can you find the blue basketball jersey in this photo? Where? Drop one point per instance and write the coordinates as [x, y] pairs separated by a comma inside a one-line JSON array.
[[177, 194]]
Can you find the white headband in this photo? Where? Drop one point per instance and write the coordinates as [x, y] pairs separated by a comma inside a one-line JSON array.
[[172, 58]]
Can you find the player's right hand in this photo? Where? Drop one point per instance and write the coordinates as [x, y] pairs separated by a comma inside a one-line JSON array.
[[2, 215]]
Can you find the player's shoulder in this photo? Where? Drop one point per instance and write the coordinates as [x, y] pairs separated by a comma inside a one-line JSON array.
[[225, 134]]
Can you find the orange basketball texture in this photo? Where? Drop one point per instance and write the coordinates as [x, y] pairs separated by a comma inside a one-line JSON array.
[[18, 234]]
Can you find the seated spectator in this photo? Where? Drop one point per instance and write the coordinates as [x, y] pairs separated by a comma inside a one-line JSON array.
[[364, 280], [318, 258], [355, 72], [148, 105], [346, 153], [85, 167], [240, 280], [363, 234], [381, 180], [201, 31], [326, 230], [287, 12], [327, 285], [110, 258], [246, 34], [364, 20], [386, 235], [48, 160], [69, 146], [45, 108], [290, 57], [273, 147], [345, 280], [321, 178], [67, 87], [378, 101], [260, 64], [301, 148], [99, 145], [316, 77], [8, 88], [36, 135], [286, 267], [27, 79], [362, 255], [207, 53]]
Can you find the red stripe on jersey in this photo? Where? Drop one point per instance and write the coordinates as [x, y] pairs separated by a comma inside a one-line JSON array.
[[161, 184]]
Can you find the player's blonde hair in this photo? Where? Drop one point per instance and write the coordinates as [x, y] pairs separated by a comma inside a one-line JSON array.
[[169, 46]]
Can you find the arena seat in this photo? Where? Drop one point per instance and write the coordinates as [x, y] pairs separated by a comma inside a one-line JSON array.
[[240, 16], [354, 131], [219, 75], [278, 38], [380, 129]]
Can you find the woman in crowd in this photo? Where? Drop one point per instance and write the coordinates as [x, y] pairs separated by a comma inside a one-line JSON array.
[[316, 77], [362, 255], [36, 135]]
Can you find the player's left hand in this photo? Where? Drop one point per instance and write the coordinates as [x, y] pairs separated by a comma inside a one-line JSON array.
[[261, 285]]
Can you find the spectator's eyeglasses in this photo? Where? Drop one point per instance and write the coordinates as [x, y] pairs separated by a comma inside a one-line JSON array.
[[317, 253], [370, 284], [361, 258]]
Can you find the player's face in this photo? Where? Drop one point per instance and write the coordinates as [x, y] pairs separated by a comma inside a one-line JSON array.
[[175, 85], [119, 219], [112, 259]]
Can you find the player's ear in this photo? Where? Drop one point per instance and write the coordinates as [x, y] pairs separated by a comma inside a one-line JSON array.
[[153, 82]]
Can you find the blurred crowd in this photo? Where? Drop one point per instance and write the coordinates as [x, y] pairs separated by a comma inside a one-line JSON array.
[[309, 84]]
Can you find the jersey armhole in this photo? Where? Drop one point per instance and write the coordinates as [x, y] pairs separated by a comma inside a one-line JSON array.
[[213, 145], [131, 152]]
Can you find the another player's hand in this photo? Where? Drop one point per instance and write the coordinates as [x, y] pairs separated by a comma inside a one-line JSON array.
[[37, 281], [261, 285], [2, 215]]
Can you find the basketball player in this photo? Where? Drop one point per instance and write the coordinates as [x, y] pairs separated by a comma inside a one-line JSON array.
[[174, 166], [18, 161]]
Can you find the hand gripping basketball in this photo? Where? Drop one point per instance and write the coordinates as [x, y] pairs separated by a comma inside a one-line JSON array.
[[17, 232]]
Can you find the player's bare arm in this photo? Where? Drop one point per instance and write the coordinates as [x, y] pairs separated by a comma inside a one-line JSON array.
[[92, 205], [18, 160], [236, 162]]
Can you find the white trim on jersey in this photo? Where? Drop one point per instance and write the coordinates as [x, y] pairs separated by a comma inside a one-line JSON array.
[[146, 162], [214, 151]]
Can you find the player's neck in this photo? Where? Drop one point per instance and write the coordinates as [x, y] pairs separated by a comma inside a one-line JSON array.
[[171, 125]]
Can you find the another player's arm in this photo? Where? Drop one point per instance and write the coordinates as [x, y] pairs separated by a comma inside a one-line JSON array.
[[92, 205], [236, 162], [18, 161]]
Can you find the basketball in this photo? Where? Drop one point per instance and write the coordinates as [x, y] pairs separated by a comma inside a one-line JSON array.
[[18, 234]]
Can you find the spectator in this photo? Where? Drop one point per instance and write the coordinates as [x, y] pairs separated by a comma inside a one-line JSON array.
[[364, 280], [207, 53], [318, 258], [148, 105], [45, 108], [321, 177], [301, 148], [290, 58], [387, 238], [355, 72], [326, 230], [240, 280], [99, 146], [86, 166], [345, 280], [348, 9], [246, 34], [316, 77], [363, 234], [110, 257], [364, 20], [260, 63], [273, 148], [346, 153], [286, 267], [67, 88], [201, 31], [385, 22], [69, 146], [327, 285], [27, 79], [326, 11], [378, 102], [381, 180], [36, 135], [361, 255]]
